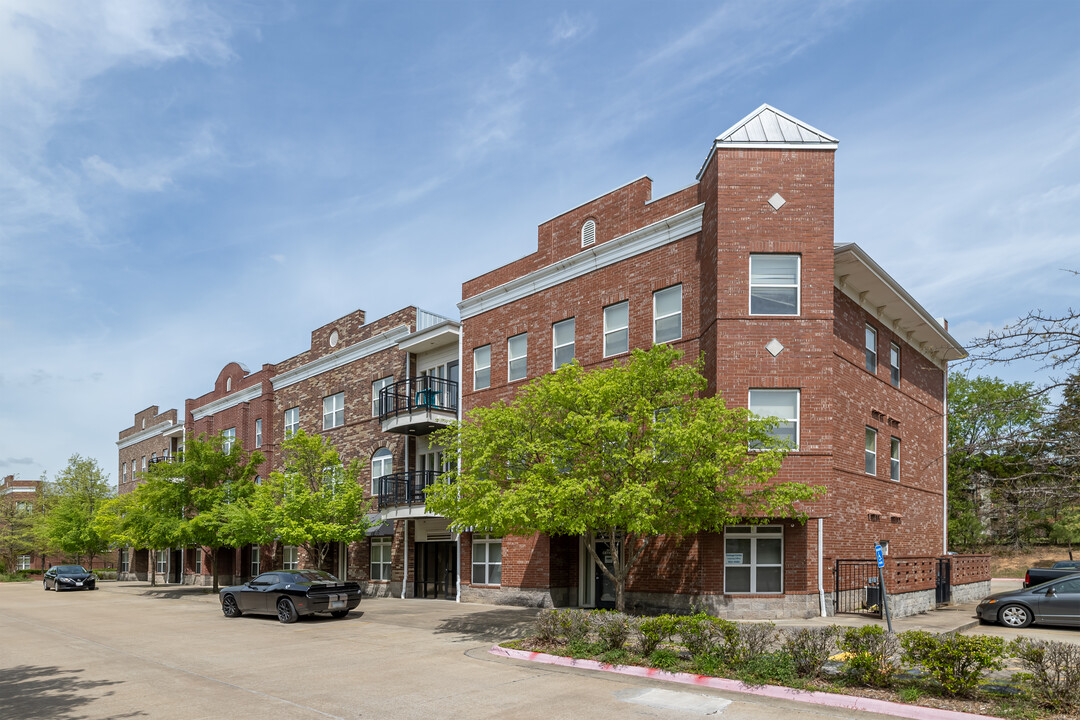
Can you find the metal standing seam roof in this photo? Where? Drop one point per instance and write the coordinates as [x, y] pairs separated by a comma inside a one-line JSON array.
[[771, 129]]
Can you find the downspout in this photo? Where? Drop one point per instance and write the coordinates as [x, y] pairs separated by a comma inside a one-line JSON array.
[[945, 461], [820, 566], [405, 569], [461, 382]]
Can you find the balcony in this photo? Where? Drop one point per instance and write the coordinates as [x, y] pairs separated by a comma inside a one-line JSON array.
[[401, 494], [418, 405]]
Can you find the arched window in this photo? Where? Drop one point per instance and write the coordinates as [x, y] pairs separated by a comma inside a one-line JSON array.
[[382, 463], [228, 384], [588, 233]]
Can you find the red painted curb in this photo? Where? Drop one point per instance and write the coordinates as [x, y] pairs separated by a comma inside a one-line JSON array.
[[849, 702]]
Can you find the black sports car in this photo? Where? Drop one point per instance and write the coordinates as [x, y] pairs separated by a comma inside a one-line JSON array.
[[69, 577], [290, 594]]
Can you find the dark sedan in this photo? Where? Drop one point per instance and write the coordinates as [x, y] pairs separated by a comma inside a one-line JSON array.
[[69, 577], [290, 594], [1056, 602]]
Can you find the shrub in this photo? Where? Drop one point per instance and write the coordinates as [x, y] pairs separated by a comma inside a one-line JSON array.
[[871, 651], [755, 639], [574, 625], [1054, 668], [701, 633], [809, 648], [664, 659], [955, 662], [654, 631], [548, 626], [612, 628]]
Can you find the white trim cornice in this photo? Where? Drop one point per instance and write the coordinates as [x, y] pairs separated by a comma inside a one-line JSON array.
[[344, 356], [146, 434], [240, 396], [634, 243]]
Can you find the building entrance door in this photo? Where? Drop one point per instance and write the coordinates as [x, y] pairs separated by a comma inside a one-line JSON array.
[[605, 587], [436, 570]]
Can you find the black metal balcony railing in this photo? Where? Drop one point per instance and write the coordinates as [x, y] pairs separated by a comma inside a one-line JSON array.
[[405, 488], [166, 459], [418, 393]]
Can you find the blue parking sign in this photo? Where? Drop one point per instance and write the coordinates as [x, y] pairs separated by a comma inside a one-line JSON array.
[[880, 556]]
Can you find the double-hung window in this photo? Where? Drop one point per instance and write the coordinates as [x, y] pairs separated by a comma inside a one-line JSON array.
[[753, 559], [781, 404], [376, 395], [616, 328], [162, 561], [381, 548], [198, 561], [517, 353], [871, 451], [667, 314], [333, 411], [258, 433], [871, 349], [894, 364], [24, 562], [255, 560], [123, 472], [486, 560], [894, 458], [562, 341], [24, 507], [125, 561], [228, 439], [481, 374], [774, 284], [292, 421], [290, 558], [382, 464]]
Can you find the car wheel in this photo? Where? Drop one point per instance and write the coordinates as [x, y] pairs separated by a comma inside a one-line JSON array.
[[45, 586], [229, 607], [338, 613], [286, 612], [1015, 616]]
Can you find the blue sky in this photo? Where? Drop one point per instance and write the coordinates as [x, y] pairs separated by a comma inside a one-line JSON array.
[[184, 184]]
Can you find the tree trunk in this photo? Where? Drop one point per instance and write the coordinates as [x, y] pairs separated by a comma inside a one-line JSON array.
[[151, 566], [214, 567]]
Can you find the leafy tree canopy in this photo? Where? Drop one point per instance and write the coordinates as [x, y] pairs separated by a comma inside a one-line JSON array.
[[74, 496]]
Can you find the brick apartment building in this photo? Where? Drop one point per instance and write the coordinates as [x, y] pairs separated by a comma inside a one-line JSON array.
[[740, 268]]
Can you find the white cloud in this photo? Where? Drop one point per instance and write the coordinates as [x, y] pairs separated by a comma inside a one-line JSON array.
[[572, 28]]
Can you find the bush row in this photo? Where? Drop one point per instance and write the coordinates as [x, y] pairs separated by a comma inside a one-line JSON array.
[[761, 652]]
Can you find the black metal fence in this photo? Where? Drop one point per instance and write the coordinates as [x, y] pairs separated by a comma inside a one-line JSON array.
[[857, 587], [405, 488], [943, 589], [426, 392]]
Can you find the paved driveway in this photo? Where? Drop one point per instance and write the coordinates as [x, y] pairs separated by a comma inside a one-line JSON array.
[[121, 653]]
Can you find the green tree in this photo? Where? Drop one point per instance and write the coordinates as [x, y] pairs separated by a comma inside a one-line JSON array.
[[18, 530], [211, 474], [316, 502], [624, 454], [150, 517], [74, 498]]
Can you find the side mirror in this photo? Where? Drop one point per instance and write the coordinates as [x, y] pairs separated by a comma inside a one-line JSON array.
[[1051, 592]]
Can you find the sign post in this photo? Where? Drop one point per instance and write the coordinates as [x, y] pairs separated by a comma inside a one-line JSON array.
[[881, 584]]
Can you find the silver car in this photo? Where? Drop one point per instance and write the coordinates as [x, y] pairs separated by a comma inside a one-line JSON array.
[[1056, 602]]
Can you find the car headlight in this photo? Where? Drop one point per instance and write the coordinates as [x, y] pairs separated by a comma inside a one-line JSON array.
[[988, 602], [67, 581]]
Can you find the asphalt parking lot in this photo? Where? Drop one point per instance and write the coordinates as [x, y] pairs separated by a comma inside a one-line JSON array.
[[129, 651]]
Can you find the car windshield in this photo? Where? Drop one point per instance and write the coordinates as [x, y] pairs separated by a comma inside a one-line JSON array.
[[70, 570], [311, 576]]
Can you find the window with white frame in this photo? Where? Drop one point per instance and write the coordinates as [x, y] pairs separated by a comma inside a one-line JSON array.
[[24, 562], [290, 558], [376, 394], [894, 458], [292, 421], [486, 560], [162, 561], [381, 548], [333, 411], [198, 561], [123, 472], [481, 373], [125, 561], [228, 437], [871, 451], [562, 342], [24, 507], [382, 464], [667, 314], [871, 349], [774, 284], [588, 233], [782, 404], [258, 433], [616, 328], [255, 560], [144, 463], [517, 355], [894, 364], [753, 559], [153, 457]]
